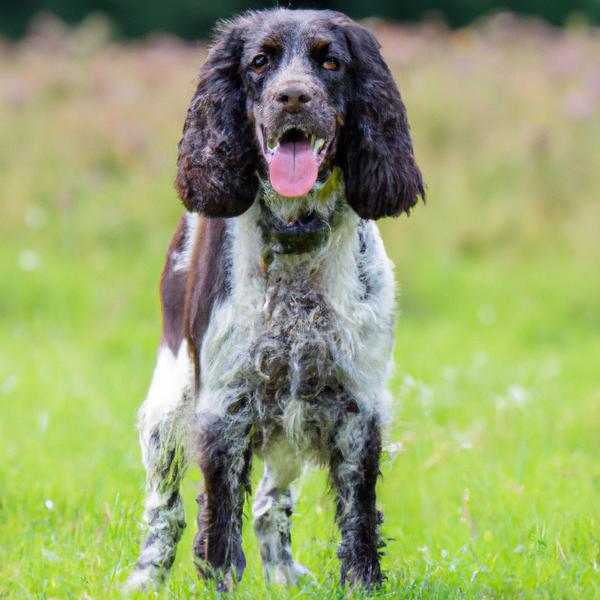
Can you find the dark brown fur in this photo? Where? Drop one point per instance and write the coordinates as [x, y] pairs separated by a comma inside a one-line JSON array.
[[172, 292], [207, 284], [358, 110], [217, 153], [188, 296], [218, 543], [375, 151], [356, 511], [219, 156]]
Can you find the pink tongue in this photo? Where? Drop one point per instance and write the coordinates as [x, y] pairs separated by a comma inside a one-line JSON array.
[[293, 169]]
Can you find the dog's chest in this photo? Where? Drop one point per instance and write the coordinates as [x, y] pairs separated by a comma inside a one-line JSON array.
[[289, 337], [296, 352]]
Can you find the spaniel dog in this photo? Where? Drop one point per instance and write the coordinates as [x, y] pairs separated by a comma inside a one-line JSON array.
[[277, 294]]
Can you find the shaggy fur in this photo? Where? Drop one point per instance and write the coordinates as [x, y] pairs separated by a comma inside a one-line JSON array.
[[278, 313]]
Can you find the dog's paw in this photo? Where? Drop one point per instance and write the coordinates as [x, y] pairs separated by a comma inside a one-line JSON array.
[[362, 574], [143, 580], [287, 573]]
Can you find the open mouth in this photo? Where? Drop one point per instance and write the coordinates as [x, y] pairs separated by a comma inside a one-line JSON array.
[[294, 158]]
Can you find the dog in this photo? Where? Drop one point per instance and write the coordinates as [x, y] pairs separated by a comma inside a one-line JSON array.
[[278, 298]]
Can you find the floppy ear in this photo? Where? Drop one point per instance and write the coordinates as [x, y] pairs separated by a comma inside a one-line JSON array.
[[216, 168], [382, 177]]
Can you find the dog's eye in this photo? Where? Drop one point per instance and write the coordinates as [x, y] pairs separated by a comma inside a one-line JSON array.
[[260, 62], [331, 63]]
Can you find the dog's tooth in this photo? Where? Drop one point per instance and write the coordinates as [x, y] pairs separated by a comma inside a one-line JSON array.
[[317, 147]]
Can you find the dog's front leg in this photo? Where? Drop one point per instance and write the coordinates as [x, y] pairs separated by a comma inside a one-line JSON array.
[[272, 511], [163, 430], [225, 460], [354, 468]]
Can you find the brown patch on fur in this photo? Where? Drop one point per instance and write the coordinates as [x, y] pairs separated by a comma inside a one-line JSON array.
[[188, 295], [319, 44], [207, 284], [172, 292], [272, 43]]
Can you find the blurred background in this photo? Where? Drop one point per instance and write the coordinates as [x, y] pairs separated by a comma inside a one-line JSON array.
[[492, 469], [191, 19]]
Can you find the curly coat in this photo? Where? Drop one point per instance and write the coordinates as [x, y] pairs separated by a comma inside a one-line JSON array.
[[278, 313]]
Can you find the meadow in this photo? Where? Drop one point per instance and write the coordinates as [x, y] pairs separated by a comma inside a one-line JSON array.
[[491, 476]]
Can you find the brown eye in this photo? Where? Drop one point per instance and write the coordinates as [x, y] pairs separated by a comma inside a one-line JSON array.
[[260, 62], [331, 63]]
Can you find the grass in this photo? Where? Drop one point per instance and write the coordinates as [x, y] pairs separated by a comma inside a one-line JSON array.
[[491, 482]]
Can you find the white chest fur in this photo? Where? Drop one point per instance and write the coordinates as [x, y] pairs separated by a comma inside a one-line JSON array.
[[314, 325]]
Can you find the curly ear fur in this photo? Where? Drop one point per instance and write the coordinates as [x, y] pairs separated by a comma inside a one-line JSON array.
[[217, 160], [382, 178]]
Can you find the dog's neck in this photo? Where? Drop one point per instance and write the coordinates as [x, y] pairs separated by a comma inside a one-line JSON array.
[[323, 199], [253, 256]]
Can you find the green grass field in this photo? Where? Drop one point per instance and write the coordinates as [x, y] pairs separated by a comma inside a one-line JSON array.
[[491, 485]]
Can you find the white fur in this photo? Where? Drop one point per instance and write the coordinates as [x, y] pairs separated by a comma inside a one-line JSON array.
[[171, 381], [272, 503], [183, 257], [366, 326], [292, 297]]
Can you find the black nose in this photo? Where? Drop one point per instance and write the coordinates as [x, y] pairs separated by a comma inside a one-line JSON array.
[[292, 97]]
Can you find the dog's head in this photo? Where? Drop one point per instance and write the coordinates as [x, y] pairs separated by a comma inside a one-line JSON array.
[[285, 97]]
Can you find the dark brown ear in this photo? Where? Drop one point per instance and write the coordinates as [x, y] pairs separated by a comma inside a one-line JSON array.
[[216, 168], [376, 153]]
